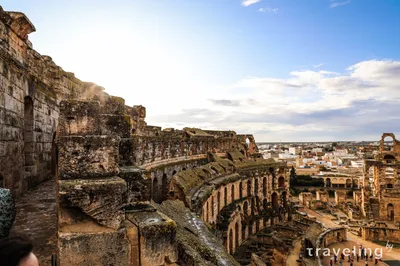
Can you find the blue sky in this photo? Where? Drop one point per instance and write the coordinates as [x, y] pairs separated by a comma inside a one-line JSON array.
[[285, 70]]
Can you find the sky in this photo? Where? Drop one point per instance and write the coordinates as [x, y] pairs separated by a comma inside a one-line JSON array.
[[283, 70]]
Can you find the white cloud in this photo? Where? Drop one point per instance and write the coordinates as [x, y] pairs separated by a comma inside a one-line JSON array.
[[336, 4], [318, 65], [269, 10], [250, 2], [358, 103]]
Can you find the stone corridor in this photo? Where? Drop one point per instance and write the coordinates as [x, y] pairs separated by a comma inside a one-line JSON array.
[[37, 219]]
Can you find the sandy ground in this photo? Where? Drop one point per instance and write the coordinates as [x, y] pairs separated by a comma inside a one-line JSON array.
[[294, 254]]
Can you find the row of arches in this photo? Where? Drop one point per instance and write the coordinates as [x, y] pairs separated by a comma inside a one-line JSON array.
[[341, 182], [160, 187], [240, 229], [238, 190], [153, 151]]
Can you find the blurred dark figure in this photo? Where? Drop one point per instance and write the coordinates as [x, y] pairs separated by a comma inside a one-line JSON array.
[[17, 251]]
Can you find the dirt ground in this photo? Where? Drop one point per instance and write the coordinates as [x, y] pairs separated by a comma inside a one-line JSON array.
[[37, 219]]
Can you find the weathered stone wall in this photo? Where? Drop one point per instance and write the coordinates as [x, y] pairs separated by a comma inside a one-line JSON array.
[[380, 234], [380, 199], [237, 196], [31, 86]]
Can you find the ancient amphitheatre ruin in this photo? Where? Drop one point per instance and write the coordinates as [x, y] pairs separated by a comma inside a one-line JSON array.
[[95, 185]]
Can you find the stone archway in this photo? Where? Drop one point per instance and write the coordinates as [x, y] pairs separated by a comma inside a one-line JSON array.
[[230, 241], [164, 188], [328, 182], [154, 193], [246, 208], [281, 182], [232, 193], [236, 235], [274, 200], [390, 212], [265, 186], [355, 183], [249, 187], [256, 186], [348, 183]]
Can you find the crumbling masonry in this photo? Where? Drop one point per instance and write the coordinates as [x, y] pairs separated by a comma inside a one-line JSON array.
[[128, 193]]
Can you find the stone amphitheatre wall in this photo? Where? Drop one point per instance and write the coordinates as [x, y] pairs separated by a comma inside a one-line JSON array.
[[115, 174], [31, 87], [236, 196]]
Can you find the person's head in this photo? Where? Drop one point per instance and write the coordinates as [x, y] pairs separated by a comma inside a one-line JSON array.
[[17, 251]]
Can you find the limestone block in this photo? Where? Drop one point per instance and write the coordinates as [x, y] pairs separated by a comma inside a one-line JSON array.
[[126, 152], [79, 118], [101, 199], [138, 187], [114, 105], [119, 125], [88, 156], [158, 244], [94, 249]]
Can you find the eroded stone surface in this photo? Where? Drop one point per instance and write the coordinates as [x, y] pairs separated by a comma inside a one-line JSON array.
[[101, 199], [88, 156], [100, 248]]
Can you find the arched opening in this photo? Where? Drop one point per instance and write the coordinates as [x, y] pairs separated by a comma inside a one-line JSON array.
[[274, 200], [246, 208], [328, 182], [389, 159], [241, 189], [249, 187], [164, 187], [281, 182], [155, 190], [388, 143], [29, 150], [218, 201], [230, 241], [243, 232], [233, 193], [252, 206], [225, 196], [355, 183], [236, 235], [2, 185], [390, 212], [265, 186], [348, 183], [256, 186]]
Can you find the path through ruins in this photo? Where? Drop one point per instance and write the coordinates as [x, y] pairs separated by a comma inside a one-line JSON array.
[[36, 218]]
